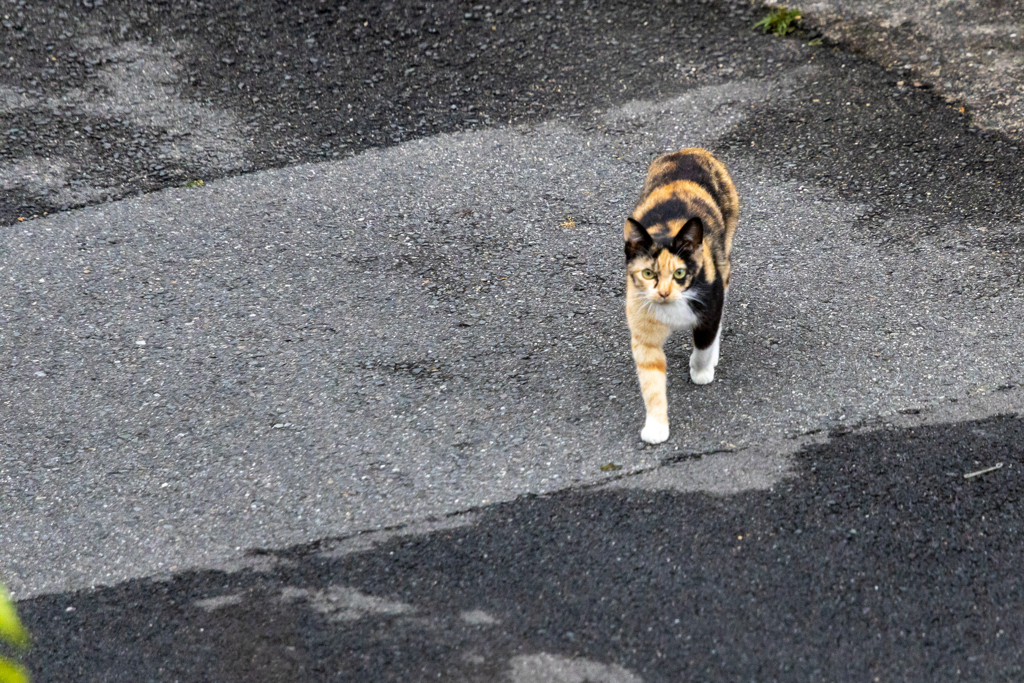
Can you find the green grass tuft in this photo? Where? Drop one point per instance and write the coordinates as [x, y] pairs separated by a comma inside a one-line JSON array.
[[780, 20], [194, 183]]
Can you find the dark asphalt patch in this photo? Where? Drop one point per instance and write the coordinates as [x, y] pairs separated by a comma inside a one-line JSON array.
[[949, 49], [917, 161], [314, 80], [318, 80], [879, 560]]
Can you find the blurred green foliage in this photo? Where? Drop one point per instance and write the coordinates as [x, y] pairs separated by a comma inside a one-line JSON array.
[[13, 634], [780, 20]]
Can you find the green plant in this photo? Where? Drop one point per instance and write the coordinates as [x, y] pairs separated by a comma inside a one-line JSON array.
[[11, 631], [194, 183], [780, 20]]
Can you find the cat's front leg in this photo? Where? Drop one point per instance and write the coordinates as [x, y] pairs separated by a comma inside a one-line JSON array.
[[704, 358], [650, 370]]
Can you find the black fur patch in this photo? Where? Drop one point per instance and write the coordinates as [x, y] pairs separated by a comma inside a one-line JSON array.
[[676, 208], [688, 167], [689, 237], [711, 296], [639, 243]]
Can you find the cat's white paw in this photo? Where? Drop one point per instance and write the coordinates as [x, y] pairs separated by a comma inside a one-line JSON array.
[[654, 432], [704, 376], [703, 362]]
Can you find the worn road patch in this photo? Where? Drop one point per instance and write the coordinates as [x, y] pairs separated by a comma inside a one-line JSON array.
[[878, 560], [298, 354]]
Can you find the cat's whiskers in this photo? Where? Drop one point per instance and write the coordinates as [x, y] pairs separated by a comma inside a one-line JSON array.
[[689, 295], [645, 302]]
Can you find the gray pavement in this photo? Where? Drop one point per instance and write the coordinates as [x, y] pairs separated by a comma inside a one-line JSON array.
[[312, 352], [971, 53], [375, 418]]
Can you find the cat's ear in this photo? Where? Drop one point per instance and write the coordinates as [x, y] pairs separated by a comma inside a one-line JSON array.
[[690, 237], [638, 240]]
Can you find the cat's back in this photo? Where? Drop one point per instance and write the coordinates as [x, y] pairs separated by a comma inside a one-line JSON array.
[[698, 166]]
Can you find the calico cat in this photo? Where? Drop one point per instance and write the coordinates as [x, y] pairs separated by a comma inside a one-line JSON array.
[[677, 261]]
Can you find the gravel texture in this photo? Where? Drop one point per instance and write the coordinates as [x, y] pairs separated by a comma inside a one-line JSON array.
[[970, 53], [103, 100], [280, 357]]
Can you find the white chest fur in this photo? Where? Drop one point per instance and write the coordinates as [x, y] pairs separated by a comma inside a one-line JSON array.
[[677, 314]]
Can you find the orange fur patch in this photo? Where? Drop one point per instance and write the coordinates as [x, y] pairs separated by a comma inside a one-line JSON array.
[[655, 365]]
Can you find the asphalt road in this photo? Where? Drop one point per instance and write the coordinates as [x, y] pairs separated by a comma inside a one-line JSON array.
[[375, 418], [876, 560], [969, 53]]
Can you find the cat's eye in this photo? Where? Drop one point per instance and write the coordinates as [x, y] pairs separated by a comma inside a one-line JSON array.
[[679, 274], [647, 274]]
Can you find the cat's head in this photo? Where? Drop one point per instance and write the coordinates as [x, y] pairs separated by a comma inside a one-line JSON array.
[[662, 263]]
